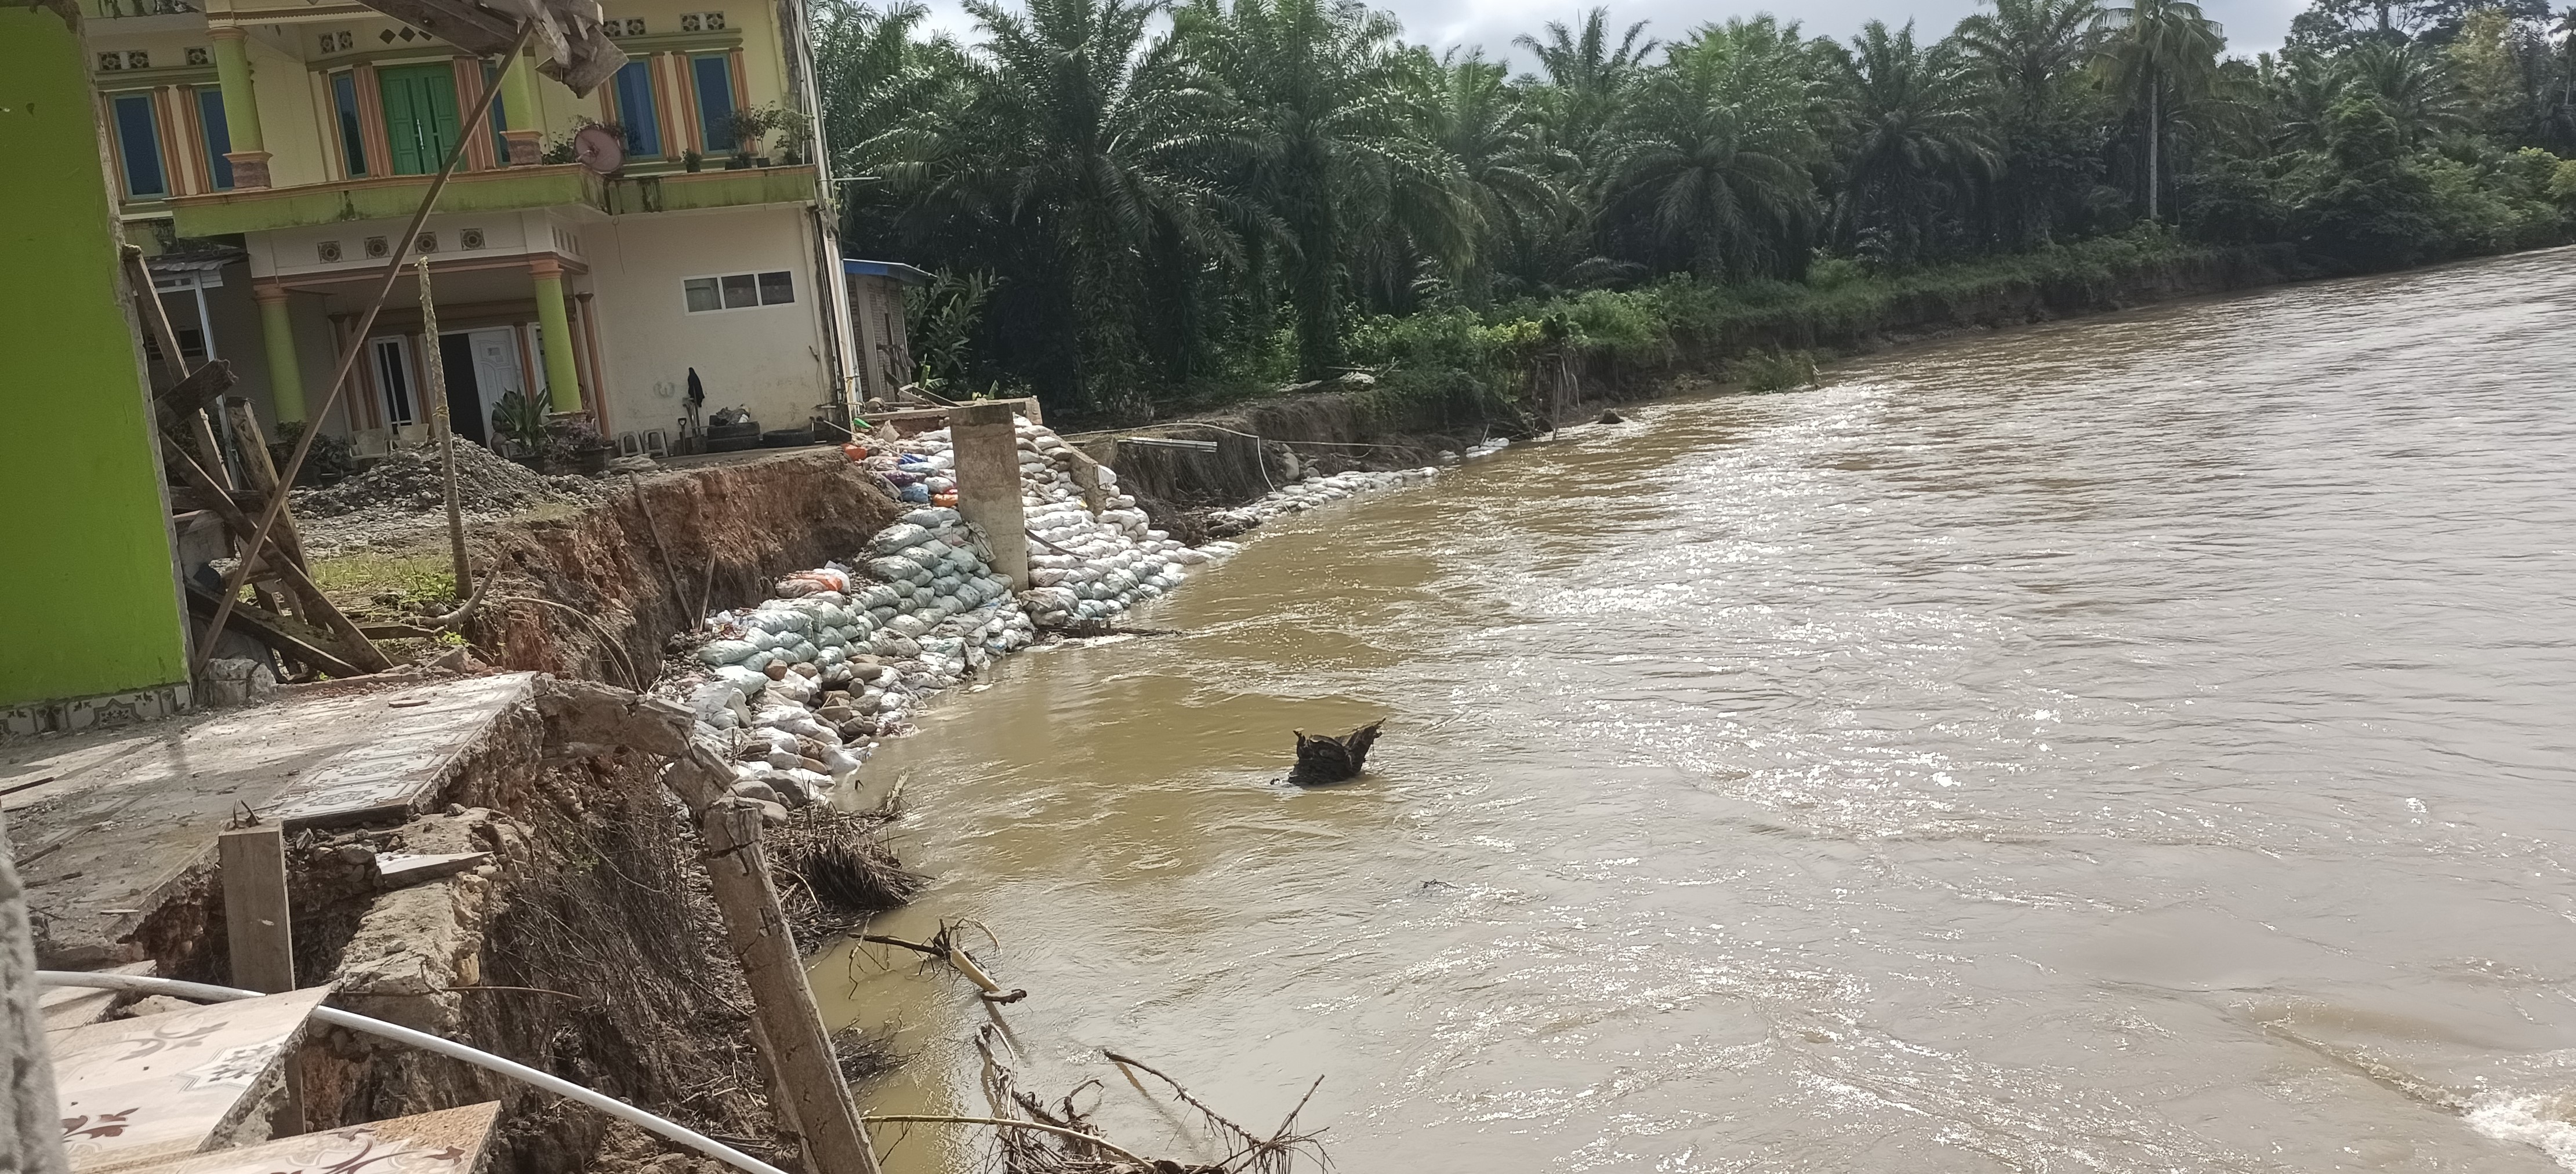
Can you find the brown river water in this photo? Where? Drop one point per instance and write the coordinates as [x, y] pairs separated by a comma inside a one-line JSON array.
[[2145, 743]]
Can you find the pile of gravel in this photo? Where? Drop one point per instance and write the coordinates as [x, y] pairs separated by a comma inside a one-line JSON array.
[[410, 480]]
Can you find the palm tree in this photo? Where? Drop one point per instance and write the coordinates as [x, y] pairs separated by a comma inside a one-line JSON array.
[[1342, 142], [1710, 158], [1504, 162], [2029, 49], [1090, 142], [885, 95], [2412, 82], [1913, 137], [1585, 78], [2156, 55]]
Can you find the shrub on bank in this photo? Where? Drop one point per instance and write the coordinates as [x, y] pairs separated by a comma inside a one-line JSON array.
[[1441, 363]]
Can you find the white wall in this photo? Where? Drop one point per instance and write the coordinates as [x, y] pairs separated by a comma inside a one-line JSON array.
[[768, 358]]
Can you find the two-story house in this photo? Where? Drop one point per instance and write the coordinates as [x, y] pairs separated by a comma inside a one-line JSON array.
[[273, 148]]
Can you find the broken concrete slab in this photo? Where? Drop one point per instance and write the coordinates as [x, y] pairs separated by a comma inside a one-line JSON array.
[[396, 870], [164, 1086], [110, 825], [450, 1141], [80, 1006]]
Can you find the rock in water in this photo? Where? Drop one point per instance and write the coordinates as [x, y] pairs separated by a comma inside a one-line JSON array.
[[1613, 418], [1332, 760]]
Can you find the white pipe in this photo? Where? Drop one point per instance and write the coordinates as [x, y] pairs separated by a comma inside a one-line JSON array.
[[427, 1042]]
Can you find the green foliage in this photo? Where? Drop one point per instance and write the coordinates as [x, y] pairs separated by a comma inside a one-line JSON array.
[[1774, 370], [943, 318], [1181, 204], [519, 419]]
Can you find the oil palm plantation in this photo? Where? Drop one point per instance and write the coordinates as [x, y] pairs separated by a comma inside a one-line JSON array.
[[1709, 170], [1087, 142], [1342, 156], [1505, 162], [1915, 146], [2412, 83]]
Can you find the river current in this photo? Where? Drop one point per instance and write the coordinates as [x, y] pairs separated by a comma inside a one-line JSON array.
[[2142, 743]]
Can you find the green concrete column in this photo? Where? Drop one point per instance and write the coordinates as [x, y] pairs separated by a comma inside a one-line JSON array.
[[232, 72], [519, 95], [555, 327], [285, 379], [249, 154], [523, 125]]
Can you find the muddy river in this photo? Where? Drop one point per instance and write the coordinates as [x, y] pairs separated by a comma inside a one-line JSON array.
[[2145, 743]]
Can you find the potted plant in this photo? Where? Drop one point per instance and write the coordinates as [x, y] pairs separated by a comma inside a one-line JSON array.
[[750, 126], [692, 161], [794, 128], [574, 444], [519, 422]]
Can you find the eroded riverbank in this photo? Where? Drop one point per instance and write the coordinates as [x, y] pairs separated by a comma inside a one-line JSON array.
[[2128, 743]]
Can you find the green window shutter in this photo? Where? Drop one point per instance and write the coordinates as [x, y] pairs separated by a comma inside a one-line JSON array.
[[420, 116]]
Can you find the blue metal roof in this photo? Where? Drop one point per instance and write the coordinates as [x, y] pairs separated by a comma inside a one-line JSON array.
[[894, 269]]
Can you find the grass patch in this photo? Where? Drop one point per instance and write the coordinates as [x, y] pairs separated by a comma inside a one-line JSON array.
[[391, 584], [1774, 370]]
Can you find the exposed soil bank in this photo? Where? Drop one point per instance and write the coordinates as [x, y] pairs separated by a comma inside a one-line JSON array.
[[1407, 422], [588, 945], [664, 550]]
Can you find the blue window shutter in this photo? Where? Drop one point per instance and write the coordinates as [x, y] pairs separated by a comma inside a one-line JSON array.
[[219, 138], [635, 110], [353, 136], [714, 76], [139, 140]]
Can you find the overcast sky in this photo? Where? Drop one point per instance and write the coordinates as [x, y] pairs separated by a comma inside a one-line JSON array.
[[2252, 25]]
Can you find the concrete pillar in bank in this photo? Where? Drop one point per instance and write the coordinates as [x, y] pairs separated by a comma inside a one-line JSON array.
[[249, 156], [554, 335], [277, 331], [988, 484], [519, 114]]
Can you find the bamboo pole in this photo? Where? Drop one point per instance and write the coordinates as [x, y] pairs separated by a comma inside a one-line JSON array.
[[435, 366], [349, 357]]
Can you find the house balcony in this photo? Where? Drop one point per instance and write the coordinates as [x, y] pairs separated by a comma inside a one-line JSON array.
[[512, 189]]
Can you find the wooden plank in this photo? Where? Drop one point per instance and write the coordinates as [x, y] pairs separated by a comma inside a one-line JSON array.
[[252, 864], [211, 379], [277, 632], [289, 570], [259, 478], [166, 1086]]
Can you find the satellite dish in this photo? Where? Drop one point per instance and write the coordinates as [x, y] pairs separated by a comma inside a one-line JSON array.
[[598, 148]]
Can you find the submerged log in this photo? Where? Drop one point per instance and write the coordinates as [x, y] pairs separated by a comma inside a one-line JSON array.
[[1329, 759]]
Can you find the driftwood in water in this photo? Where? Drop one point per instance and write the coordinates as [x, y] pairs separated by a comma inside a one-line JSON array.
[[1332, 760]]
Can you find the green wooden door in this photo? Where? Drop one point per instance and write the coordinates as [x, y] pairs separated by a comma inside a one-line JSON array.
[[420, 116]]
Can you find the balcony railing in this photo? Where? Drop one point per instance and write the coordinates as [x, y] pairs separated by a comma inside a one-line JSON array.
[[113, 9]]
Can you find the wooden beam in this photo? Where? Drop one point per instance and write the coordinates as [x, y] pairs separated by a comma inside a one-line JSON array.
[[295, 577], [309, 600], [211, 379], [252, 864], [285, 635]]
